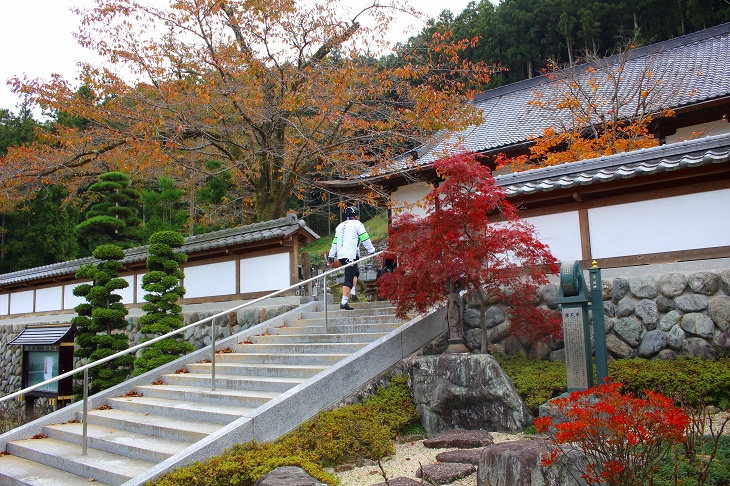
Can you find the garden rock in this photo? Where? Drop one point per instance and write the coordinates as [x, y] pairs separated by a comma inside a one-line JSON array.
[[676, 337], [630, 329], [647, 311], [518, 463], [462, 439], [400, 481], [669, 320], [462, 456], [464, 391], [288, 476], [444, 473]]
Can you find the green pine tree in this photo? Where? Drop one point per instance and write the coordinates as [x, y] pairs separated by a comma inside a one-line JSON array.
[[114, 218], [101, 320], [162, 313]]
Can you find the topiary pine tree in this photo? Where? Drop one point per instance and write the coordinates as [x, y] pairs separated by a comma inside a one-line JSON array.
[[163, 315], [114, 219], [101, 320]]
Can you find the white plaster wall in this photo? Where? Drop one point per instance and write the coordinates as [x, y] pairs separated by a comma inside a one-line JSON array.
[[264, 273], [69, 299], [717, 127], [128, 293], [4, 302], [405, 197], [140, 290], [49, 299], [21, 302], [209, 280], [561, 232], [669, 224]]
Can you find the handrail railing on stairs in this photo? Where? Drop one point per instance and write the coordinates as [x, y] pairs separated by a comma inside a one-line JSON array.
[[85, 368]]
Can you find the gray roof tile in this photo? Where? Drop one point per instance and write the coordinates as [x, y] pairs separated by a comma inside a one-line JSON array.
[[277, 228], [697, 62], [665, 158]]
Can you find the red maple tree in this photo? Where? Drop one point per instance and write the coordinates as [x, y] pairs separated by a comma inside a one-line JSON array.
[[470, 240]]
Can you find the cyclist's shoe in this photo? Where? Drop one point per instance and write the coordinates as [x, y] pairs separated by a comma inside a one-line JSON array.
[[353, 298], [345, 307]]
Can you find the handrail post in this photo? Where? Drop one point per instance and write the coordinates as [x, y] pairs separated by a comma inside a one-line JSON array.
[[85, 412], [212, 356], [324, 292]]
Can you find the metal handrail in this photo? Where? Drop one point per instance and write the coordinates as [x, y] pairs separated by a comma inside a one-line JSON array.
[[137, 347]]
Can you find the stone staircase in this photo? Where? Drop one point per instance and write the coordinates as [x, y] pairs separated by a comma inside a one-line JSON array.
[[268, 380]]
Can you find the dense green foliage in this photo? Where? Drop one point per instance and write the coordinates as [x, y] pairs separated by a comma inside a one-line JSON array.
[[535, 381], [521, 36], [687, 379], [113, 218], [15, 130], [44, 224], [162, 313], [163, 208], [362, 430], [101, 320], [683, 378]]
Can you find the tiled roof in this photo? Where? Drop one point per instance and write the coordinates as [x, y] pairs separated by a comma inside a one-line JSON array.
[[268, 230], [697, 63], [664, 158], [42, 335]]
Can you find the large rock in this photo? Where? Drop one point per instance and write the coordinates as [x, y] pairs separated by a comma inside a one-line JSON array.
[[643, 287], [698, 324], [672, 285], [652, 343], [706, 283], [630, 330], [719, 310], [464, 391], [518, 463], [288, 476]]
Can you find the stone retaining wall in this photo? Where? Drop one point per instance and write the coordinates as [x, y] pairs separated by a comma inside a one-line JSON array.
[[226, 325], [649, 316]]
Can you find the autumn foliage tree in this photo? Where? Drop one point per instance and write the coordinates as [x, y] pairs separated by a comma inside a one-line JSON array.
[[471, 239], [278, 93], [602, 107]]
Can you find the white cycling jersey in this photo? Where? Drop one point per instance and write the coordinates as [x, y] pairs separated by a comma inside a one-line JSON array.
[[348, 236]]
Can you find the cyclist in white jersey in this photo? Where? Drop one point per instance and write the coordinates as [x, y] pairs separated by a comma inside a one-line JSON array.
[[348, 236]]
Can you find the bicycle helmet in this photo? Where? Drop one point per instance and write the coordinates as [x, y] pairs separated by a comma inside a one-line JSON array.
[[351, 212]]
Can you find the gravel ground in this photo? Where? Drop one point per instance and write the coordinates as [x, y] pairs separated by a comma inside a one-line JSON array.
[[408, 458]]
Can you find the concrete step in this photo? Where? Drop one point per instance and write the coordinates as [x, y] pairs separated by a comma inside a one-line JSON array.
[[232, 381], [345, 317], [117, 441], [362, 337], [269, 370], [284, 358], [203, 395], [130, 434], [180, 409], [305, 348], [317, 327], [16, 471], [100, 465], [151, 425]]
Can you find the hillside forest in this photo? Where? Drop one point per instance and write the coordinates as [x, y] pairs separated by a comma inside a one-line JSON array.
[[240, 139]]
